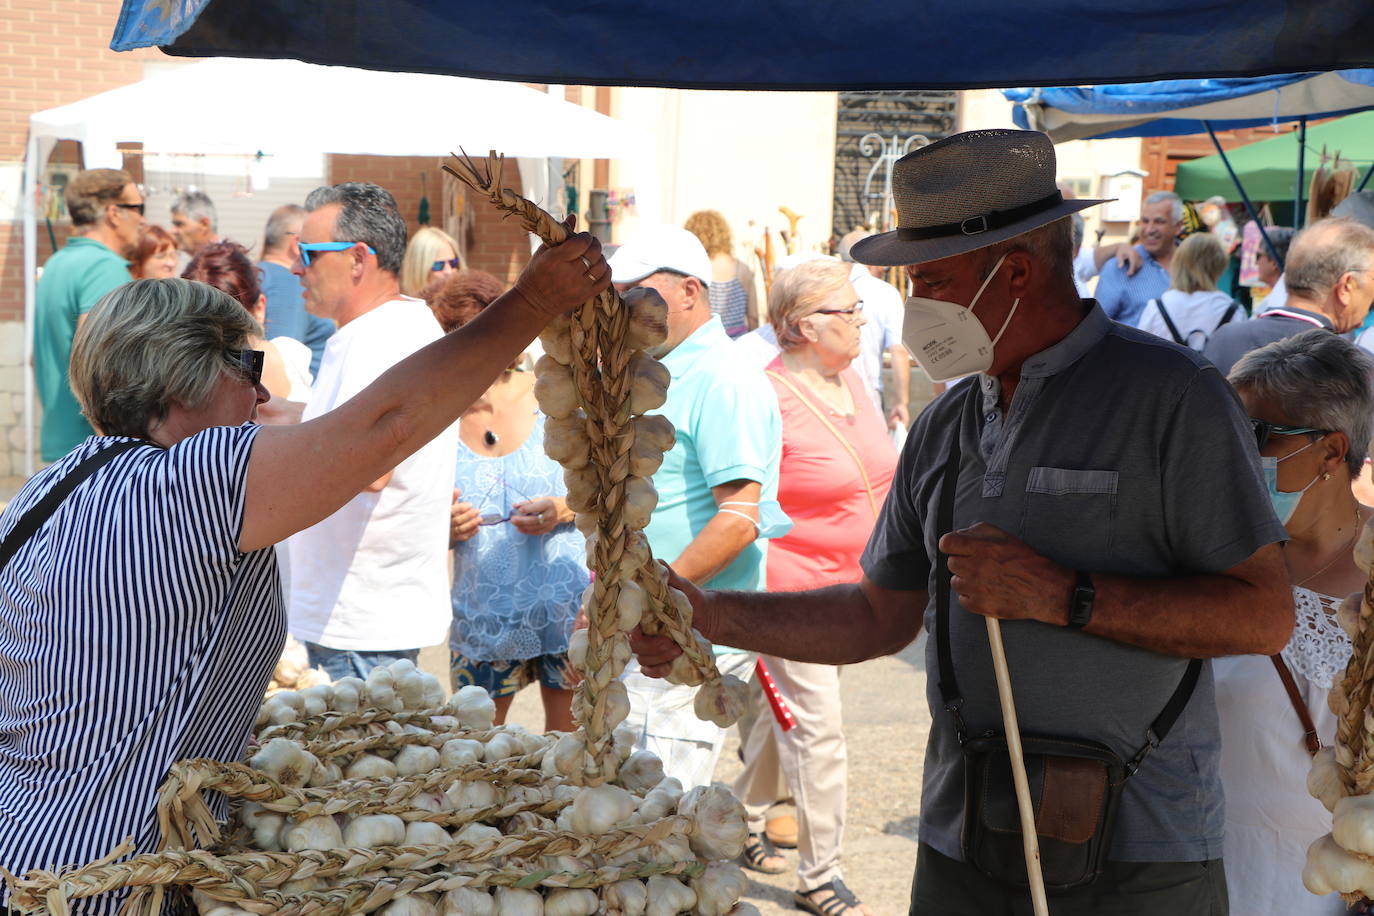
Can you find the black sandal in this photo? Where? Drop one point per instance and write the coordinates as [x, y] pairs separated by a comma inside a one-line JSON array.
[[840, 901], [758, 849]]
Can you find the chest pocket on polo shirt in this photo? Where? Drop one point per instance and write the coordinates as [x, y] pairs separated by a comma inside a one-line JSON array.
[[1070, 514]]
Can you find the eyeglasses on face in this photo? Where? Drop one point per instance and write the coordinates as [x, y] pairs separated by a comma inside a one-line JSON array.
[[851, 314], [307, 247], [1264, 429], [137, 208], [248, 362], [455, 263]]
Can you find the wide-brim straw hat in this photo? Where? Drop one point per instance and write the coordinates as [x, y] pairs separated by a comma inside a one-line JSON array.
[[967, 192]]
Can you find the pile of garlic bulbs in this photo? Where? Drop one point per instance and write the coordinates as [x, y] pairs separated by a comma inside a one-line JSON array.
[[293, 671], [1342, 776]]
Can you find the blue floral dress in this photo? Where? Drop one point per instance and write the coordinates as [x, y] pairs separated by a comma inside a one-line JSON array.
[[514, 596]]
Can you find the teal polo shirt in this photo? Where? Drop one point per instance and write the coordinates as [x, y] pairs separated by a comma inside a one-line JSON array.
[[728, 428], [73, 280]]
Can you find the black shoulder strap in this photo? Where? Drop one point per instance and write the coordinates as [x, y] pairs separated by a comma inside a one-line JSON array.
[[1173, 328], [39, 512], [1230, 312], [949, 687]]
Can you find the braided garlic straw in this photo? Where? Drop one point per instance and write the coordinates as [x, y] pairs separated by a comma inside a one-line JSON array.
[[595, 383]]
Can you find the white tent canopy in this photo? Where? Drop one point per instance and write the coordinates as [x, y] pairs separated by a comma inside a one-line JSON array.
[[234, 105]]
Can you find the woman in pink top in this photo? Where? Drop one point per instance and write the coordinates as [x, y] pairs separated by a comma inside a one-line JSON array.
[[837, 465]]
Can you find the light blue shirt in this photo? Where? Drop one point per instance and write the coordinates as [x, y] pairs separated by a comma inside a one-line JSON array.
[[728, 428], [1123, 298]]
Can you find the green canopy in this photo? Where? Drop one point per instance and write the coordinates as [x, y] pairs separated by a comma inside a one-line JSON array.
[[1268, 168]]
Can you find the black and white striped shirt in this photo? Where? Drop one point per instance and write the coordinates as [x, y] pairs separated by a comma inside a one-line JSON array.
[[133, 633]]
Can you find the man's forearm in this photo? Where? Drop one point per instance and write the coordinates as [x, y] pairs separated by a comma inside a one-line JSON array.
[[828, 626], [715, 547]]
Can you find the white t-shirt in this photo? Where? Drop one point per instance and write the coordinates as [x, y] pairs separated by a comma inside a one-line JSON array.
[[759, 346], [1194, 314], [374, 575], [885, 309]]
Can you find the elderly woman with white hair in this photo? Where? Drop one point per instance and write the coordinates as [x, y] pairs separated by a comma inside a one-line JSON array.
[[140, 607], [837, 466], [1312, 407]]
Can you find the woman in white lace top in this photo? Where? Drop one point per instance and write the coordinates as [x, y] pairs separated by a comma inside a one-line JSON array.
[[1310, 400]]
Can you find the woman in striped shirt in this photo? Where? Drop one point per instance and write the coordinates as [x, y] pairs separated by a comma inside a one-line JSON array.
[[140, 623]]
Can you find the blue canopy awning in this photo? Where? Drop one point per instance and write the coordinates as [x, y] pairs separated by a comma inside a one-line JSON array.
[[786, 44]]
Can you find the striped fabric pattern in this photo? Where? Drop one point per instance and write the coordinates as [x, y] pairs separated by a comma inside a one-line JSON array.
[[133, 633]]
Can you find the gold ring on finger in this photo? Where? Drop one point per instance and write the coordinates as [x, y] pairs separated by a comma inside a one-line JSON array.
[[585, 263]]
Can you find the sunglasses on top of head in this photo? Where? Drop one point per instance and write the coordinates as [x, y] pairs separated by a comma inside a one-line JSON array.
[[455, 263], [1264, 429], [308, 247], [248, 362]]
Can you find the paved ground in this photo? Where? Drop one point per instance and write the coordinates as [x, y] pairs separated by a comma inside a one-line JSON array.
[[885, 724]]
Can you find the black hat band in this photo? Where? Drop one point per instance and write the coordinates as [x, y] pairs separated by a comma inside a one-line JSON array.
[[983, 222]]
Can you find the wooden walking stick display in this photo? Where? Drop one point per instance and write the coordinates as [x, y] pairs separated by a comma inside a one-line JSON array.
[[386, 796]]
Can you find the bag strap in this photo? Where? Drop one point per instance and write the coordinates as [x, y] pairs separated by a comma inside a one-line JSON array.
[[39, 512], [1309, 733], [1230, 311], [1173, 328], [844, 443], [949, 687]]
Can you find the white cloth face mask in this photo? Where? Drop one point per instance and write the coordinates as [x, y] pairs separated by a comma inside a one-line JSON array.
[[946, 339]]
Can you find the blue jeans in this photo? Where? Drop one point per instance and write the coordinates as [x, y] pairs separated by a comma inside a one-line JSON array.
[[341, 663]]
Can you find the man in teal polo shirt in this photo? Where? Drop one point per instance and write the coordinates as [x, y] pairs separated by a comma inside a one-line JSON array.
[[107, 213], [717, 488]]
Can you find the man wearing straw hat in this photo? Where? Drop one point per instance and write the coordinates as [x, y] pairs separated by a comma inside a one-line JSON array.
[[1105, 500]]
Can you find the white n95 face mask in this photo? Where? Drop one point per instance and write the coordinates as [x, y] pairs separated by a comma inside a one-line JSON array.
[[946, 339]]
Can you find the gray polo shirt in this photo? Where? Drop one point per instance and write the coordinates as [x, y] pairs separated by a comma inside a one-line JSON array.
[[1121, 453]]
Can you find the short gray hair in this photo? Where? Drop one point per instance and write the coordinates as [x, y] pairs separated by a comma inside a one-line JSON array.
[[1324, 252], [1050, 244], [1320, 380], [151, 342], [285, 220], [799, 291], [1159, 197], [196, 205], [368, 214]]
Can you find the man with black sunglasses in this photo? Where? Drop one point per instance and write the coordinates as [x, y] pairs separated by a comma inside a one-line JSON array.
[[107, 215]]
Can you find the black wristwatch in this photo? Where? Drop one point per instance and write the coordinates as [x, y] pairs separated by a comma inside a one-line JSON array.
[[1081, 601]]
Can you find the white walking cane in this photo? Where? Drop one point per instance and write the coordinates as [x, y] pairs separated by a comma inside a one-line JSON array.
[[1029, 841]]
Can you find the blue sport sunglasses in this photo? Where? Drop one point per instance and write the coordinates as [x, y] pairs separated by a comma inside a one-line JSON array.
[[307, 247]]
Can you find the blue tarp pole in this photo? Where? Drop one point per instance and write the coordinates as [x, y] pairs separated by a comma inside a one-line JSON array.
[[1298, 215], [1245, 198]]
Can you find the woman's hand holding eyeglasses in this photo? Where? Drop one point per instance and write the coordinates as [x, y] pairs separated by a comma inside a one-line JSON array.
[[539, 516], [463, 520]]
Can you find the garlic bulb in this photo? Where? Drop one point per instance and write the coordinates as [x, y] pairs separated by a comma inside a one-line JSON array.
[[577, 649], [1324, 779], [570, 754], [313, 833], [659, 802], [458, 752], [723, 702], [640, 500], [265, 825], [625, 898], [383, 696], [469, 794], [654, 435], [624, 737], [285, 761], [426, 833], [596, 810], [673, 850], [566, 440], [414, 687], [433, 802], [617, 700], [648, 324], [473, 706], [567, 901], [554, 387], [641, 772], [350, 695], [370, 766], [1352, 824], [409, 905], [630, 604], [682, 671], [326, 773], [414, 759], [584, 488], [634, 556], [1331, 869], [282, 707], [467, 901], [315, 700], [649, 380], [517, 901], [556, 339], [719, 827], [669, 896], [718, 888], [373, 830], [501, 746]]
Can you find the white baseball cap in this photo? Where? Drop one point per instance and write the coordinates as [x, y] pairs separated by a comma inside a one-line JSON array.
[[664, 247]]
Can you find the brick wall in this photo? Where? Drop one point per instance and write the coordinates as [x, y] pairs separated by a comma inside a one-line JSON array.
[[492, 244]]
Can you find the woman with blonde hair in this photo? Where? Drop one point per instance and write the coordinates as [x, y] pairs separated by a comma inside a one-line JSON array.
[[837, 465], [431, 256], [1192, 308], [732, 293]]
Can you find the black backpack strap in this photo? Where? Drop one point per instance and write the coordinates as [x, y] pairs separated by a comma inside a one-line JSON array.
[[1230, 313], [39, 512], [1173, 328]]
